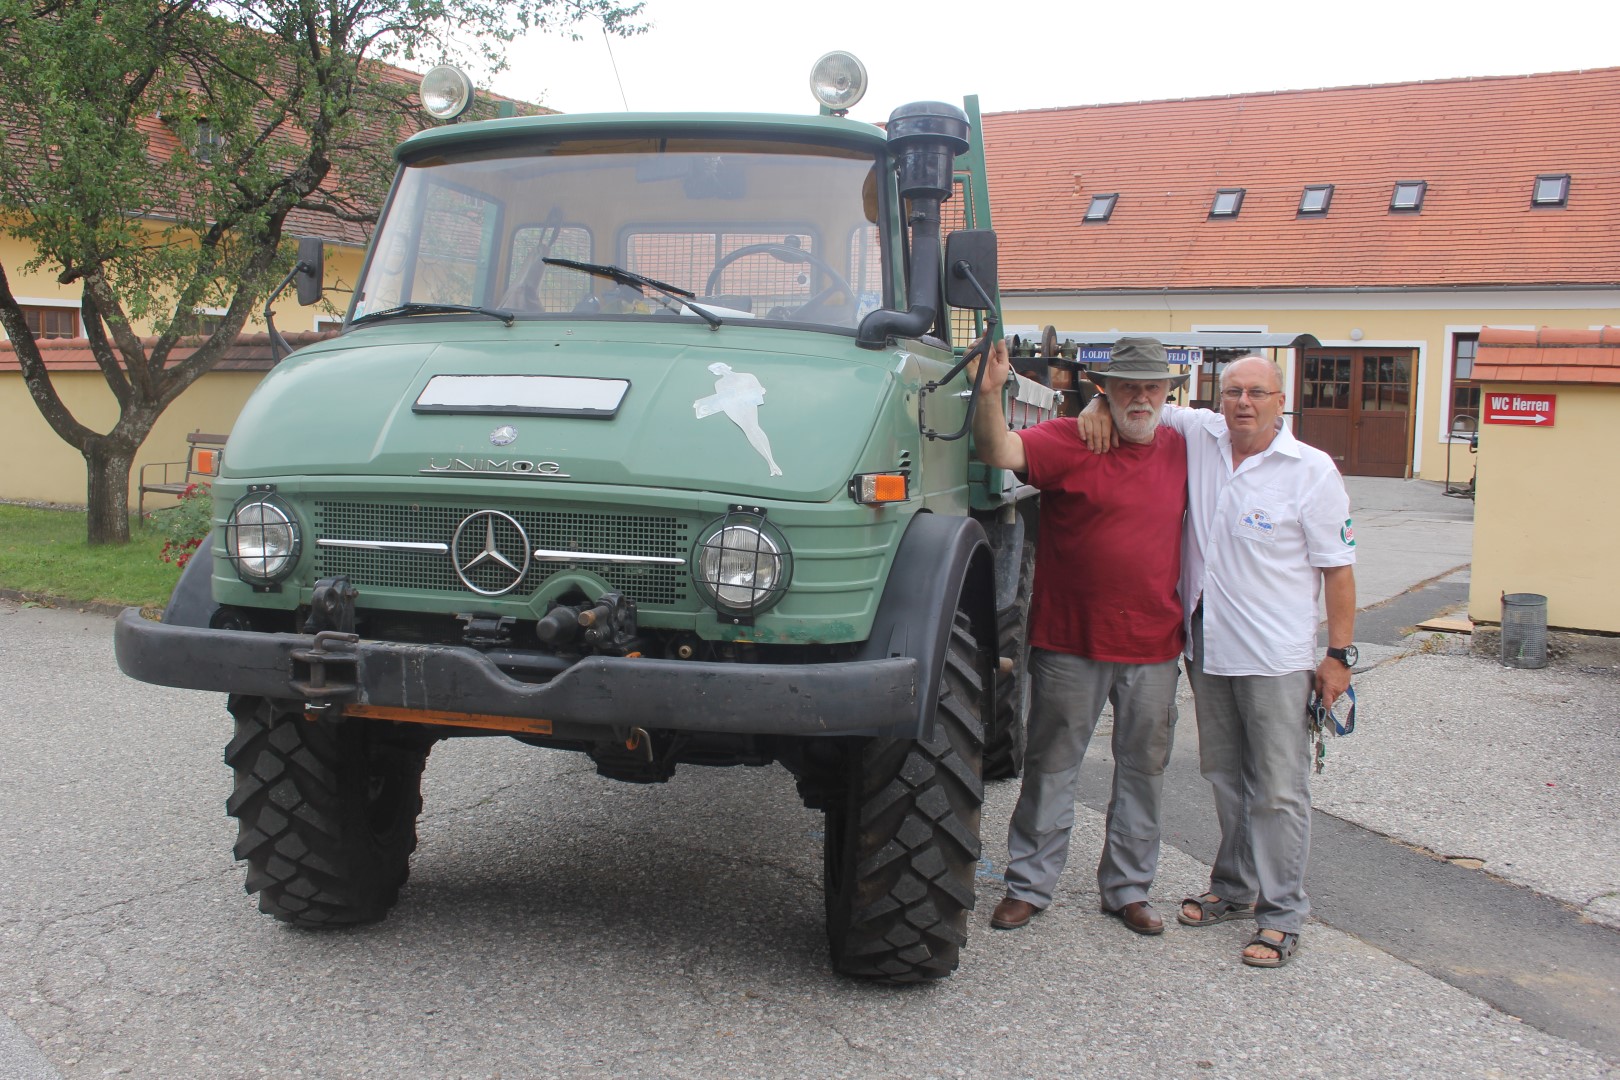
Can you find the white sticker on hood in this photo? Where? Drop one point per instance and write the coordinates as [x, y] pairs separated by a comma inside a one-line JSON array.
[[739, 395], [544, 394]]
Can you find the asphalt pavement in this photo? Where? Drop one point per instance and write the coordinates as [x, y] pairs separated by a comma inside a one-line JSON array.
[[1467, 826], [557, 924]]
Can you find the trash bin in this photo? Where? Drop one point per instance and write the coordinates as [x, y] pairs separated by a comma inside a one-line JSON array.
[[1524, 630]]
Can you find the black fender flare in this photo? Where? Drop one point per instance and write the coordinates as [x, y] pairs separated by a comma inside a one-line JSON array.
[[941, 558], [192, 602]]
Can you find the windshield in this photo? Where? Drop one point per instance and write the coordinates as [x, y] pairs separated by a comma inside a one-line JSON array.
[[775, 232]]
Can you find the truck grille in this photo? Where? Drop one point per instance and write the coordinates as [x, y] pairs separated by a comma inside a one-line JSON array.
[[640, 536]]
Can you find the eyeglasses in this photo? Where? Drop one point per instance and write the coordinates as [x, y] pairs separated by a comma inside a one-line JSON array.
[[1259, 397]]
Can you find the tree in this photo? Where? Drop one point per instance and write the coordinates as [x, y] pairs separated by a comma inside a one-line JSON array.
[[153, 150]]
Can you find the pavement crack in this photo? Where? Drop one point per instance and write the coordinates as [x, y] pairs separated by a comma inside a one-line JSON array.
[[49, 922], [454, 809]]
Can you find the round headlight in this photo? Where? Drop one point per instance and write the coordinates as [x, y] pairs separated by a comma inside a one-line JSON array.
[[838, 80], [741, 568], [446, 92], [261, 539]]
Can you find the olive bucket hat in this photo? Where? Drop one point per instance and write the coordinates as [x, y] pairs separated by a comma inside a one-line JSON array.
[[1139, 358]]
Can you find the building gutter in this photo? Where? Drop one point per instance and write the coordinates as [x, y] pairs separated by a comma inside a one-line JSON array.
[[1303, 290]]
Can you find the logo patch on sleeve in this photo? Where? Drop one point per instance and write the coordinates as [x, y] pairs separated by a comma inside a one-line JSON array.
[[1348, 534]]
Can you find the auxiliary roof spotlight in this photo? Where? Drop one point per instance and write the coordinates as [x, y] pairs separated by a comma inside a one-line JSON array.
[[838, 80], [446, 92]]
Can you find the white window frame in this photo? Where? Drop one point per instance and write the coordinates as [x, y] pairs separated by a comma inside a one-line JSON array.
[[52, 302]]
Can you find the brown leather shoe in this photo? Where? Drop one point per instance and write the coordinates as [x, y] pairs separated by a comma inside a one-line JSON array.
[[1138, 917], [1012, 913]]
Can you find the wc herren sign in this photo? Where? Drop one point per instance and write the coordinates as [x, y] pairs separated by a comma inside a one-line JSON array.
[[1531, 410]]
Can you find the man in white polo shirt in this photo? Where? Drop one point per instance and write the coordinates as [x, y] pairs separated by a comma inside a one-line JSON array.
[[1267, 531]]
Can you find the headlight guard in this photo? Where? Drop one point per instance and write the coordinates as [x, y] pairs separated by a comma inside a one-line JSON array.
[[741, 564], [262, 539]]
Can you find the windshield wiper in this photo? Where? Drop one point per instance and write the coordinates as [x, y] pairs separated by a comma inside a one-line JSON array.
[[403, 310], [619, 274]]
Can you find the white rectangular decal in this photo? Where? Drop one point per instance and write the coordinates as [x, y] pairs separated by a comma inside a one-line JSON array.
[[544, 395]]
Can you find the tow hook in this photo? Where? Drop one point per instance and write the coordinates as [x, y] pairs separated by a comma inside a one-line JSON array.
[[330, 672], [640, 740]]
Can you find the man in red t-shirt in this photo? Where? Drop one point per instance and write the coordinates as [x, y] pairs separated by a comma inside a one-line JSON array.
[[1104, 625]]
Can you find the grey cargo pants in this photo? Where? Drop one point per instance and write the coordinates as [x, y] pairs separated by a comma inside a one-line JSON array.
[[1067, 694], [1254, 749]]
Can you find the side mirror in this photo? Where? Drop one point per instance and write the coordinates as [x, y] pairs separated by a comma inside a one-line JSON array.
[[970, 269], [311, 270]]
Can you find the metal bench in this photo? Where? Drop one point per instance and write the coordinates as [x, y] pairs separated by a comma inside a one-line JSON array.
[[204, 452]]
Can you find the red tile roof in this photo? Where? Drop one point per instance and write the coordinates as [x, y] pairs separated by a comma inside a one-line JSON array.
[[1479, 143], [250, 352], [1549, 355]]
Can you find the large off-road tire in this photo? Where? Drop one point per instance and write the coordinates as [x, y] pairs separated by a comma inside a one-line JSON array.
[[327, 812], [1006, 733], [902, 842]]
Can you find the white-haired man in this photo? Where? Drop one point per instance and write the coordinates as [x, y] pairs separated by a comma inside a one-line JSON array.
[[1105, 625], [1268, 531]]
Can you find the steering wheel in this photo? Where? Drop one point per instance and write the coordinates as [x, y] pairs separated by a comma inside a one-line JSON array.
[[788, 254]]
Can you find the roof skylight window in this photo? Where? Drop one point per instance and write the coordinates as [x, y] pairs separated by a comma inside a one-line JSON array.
[[1408, 195], [1228, 201], [1101, 207], [1315, 198], [1552, 189]]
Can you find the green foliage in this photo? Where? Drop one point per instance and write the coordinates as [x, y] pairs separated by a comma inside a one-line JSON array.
[[119, 96], [44, 555], [185, 525]]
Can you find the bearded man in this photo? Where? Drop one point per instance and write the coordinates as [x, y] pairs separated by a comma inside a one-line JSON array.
[[1105, 624]]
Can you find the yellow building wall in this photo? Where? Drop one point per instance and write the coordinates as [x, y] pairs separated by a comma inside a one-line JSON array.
[[1427, 332], [342, 271], [1544, 522], [37, 466], [40, 467]]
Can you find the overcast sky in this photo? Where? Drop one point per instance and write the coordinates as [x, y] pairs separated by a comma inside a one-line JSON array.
[[755, 55]]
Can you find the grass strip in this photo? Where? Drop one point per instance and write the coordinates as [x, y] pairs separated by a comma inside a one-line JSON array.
[[44, 555]]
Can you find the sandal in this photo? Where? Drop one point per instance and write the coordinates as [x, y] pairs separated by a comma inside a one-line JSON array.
[[1284, 949], [1213, 909]]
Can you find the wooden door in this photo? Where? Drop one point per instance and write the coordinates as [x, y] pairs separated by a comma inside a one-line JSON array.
[[1356, 405]]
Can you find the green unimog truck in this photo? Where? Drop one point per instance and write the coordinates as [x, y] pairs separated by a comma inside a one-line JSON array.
[[643, 439]]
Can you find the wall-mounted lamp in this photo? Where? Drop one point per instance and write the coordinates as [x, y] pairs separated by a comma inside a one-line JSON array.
[[1355, 334]]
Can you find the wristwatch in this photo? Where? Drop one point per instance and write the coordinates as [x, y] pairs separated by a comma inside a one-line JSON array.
[[1346, 656]]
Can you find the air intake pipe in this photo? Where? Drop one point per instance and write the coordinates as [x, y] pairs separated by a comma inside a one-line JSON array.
[[926, 138]]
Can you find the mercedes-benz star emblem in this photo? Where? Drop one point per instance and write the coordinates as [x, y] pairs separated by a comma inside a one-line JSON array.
[[491, 552], [505, 435]]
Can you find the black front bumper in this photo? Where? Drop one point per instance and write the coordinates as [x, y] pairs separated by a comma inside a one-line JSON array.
[[598, 692]]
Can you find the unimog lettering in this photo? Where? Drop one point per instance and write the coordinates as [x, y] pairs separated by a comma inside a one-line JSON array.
[[539, 470], [855, 615]]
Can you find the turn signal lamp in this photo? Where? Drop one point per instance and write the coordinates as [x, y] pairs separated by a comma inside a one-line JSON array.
[[839, 81], [875, 489], [446, 92]]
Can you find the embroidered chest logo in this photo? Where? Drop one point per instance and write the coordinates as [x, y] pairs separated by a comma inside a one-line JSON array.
[[1348, 534], [1258, 523]]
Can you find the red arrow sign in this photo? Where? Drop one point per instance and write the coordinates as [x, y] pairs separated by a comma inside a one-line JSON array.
[[1536, 410]]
